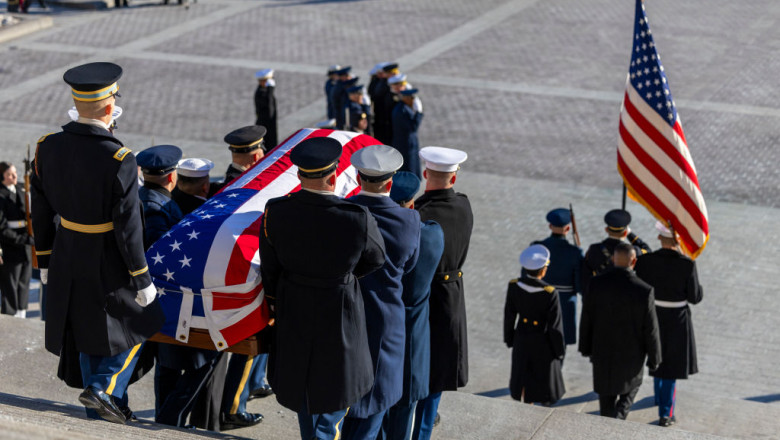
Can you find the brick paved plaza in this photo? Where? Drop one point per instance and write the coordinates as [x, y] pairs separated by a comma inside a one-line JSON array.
[[530, 89]]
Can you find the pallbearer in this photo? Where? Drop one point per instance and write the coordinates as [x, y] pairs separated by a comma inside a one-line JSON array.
[[101, 297], [247, 147]]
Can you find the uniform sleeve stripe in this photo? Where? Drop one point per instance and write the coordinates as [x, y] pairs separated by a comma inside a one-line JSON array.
[[42, 252], [140, 271]]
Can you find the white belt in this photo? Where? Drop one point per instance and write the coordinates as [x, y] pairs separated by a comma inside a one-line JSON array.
[[16, 224], [671, 304]]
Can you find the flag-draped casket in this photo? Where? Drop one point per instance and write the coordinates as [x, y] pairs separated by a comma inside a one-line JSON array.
[[207, 267]]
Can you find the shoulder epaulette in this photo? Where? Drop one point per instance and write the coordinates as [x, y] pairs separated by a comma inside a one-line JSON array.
[[42, 138], [514, 280], [121, 153], [549, 289]]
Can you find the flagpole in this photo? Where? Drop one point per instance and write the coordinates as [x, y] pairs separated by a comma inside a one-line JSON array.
[[624, 196]]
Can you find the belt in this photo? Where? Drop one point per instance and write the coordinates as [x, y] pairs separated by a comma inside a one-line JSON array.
[[448, 277], [16, 224], [87, 229], [671, 304], [319, 282]]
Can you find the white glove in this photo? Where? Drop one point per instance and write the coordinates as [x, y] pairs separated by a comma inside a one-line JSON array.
[[417, 105], [44, 276], [146, 296]]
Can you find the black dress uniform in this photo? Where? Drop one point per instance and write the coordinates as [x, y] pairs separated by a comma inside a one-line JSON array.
[[619, 329], [186, 202], [265, 108], [16, 269], [534, 330], [313, 248], [242, 140]]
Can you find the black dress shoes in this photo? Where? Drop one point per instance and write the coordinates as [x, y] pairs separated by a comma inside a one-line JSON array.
[[129, 414], [239, 420], [667, 421], [263, 391], [102, 403]]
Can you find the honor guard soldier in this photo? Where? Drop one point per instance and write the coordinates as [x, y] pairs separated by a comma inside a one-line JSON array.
[[378, 76], [416, 293], [100, 294], [564, 269], [192, 185], [598, 258], [329, 84], [337, 92], [619, 330], [161, 213], [533, 329], [16, 262], [265, 106], [246, 149], [382, 290], [342, 100], [449, 345], [357, 113], [384, 101], [676, 284], [314, 246], [407, 116]]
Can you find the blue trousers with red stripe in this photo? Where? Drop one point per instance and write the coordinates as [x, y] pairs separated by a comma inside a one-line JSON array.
[[665, 395], [109, 374]]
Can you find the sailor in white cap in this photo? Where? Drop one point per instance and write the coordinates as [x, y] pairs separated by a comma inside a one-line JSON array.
[[265, 106], [192, 188], [533, 329], [449, 346], [676, 284], [382, 289]]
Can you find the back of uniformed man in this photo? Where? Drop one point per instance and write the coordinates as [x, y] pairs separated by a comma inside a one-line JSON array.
[[265, 106], [383, 103], [161, 213], [382, 290], [449, 345], [598, 257], [192, 185], [313, 247], [618, 331], [246, 149], [101, 295], [329, 83], [337, 96], [676, 283], [564, 269]]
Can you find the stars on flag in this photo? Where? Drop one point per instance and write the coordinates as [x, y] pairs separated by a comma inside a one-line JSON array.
[[185, 262], [193, 235], [175, 246], [158, 258], [168, 274], [160, 291]]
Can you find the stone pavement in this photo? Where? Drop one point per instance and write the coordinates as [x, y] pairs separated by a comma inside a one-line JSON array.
[[531, 90]]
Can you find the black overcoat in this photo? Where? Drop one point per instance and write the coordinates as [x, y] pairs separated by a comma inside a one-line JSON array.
[[93, 277], [674, 279], [618, 330], [265, 109], [313, 249], [449, 344], [13, 234], [533, 328]]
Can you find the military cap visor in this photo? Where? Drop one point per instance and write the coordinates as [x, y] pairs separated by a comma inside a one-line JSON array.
[[159, 160], [246, 139], [94, 81], [344, 70], [355, 89], [617, 220], [316, 157], [408, 92], [390, 67], [333, 69], [405, 186], [442, 159], [559, 217]]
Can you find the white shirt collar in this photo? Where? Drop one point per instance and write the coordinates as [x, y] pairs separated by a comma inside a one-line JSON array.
[[11, 188], [95, 122], [240, 167], [373, 194]]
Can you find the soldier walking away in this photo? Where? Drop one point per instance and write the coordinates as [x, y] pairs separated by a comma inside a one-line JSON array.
[[101, 306], [676, 283]]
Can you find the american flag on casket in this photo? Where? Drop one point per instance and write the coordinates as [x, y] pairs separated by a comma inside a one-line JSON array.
[[207, 267]]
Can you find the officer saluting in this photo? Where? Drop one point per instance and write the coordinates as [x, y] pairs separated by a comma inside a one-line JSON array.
[[598, 258], [313, 247], [449, 347], [564, 269], [101, 295]]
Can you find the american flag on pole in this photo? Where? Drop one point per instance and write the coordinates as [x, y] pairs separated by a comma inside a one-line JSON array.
[[653, 156], [207, 267]]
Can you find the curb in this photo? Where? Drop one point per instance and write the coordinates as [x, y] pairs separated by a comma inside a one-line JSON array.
[[28, 25]]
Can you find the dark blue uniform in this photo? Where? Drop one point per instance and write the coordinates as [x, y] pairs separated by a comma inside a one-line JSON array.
[[161, 213], [331, 108], [355, 112], [406, 122], [563, 273], [382, 290]]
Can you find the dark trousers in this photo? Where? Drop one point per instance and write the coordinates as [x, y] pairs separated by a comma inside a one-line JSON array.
[[15, 286], [569, 316], [178, 390], [617, 406]]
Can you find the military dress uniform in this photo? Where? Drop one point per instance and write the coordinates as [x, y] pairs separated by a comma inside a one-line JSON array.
[[313, 247], [382, 291], [194, 168], [341, 100], [329, 83], [676, 284], [416, 293], [406, 122], [161, 212], [533, 329], [564, 271], [384, 100], [16, 268], [449, 345], [98, 280], [598, 257], [265, 106], [357, 112], [618, 331]]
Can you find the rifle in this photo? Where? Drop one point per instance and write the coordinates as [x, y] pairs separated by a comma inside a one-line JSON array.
[[574, 231], [674, 234], [27, 202]]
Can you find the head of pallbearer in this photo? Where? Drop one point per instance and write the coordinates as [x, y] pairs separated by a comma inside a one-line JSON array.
[[441, 166], [405, 188], [317, 160], [376, 165], [158, 165]]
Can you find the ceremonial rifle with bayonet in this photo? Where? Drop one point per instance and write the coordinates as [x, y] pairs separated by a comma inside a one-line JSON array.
[[27, 201], [574, 231]]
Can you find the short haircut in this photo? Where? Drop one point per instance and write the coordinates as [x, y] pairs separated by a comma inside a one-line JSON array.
[[624, 249], [533, 273], [91, 109], [190, 182], [4, 166]]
